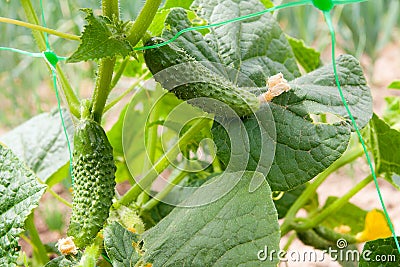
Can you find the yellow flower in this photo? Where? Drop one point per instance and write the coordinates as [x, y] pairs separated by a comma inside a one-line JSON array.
[[375, 227]]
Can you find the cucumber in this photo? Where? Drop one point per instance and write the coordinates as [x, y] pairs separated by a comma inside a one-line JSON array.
[[94, 176], [195, 82]]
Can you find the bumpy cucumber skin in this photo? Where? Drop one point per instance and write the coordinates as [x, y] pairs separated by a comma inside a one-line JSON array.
[[214, 86], [94, 177]]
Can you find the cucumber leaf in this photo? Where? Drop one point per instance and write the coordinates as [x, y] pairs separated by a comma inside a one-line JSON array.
[[256, 49], [20, 193], [385, 146], [380, 252], [226, 232], [305, 147], [41, 143], [119, 245], [101, 38], [306, 56]]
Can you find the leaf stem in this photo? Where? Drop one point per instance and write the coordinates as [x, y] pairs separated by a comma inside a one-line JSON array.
[[335, 206], [163, 193], [40, 28], [102, 88], [119, 73], [59, 198], [161, 164], [130, 89], [106, 67], [39, 251], [347, 157], [143, 21], [72, 99]]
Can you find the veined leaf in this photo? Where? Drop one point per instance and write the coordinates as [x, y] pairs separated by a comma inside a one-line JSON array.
[[380, 253], [385, 145], [101, 38], [20, 193], [307, 57], [41, 144], [226, 232], [305, 147], [120, 245]]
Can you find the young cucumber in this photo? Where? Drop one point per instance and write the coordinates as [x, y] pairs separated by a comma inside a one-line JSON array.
[[191, 80], [94, 175]]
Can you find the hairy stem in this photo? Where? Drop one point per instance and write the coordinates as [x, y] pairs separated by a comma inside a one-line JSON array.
[[335, 206], [143, 21], [162, 194], [40, 28], [130, 89], [72, 99], [39, 251], [347, 157], [161, 164], [106, 67]]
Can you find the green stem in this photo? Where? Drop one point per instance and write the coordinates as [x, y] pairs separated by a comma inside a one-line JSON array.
[[92, 253], [110, 8], [40, 28], [335, 206], [347, 157], [130, 89], [106, 67], [119, 73], [143, 21], [163, 193], [161, 164], [39, 251], [72, 99], [102, 88], [59, 198]]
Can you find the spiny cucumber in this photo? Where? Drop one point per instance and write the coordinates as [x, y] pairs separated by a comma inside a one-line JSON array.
[[196, 82], [94, 176]]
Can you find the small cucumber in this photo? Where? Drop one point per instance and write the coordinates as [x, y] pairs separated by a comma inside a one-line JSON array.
[[94, 176], [195, 82]]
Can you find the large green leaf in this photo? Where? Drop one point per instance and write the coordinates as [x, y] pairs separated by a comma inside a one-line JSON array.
[[41, 143], [119, 244], [229, 231], [257, 47], [380, 253], [20, 193], [305, 147], [385, 146]]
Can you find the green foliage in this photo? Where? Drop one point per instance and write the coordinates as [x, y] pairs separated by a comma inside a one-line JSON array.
[[121, 245], [228, 233], [349, 215], [102, 37], [20, 194], [384, 143], [215, 213], [380, 252], [306, 56], [40, 143], [94, 176], [286, 201], [305, 148]]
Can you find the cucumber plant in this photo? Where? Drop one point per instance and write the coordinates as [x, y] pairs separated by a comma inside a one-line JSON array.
[[244, 124]]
